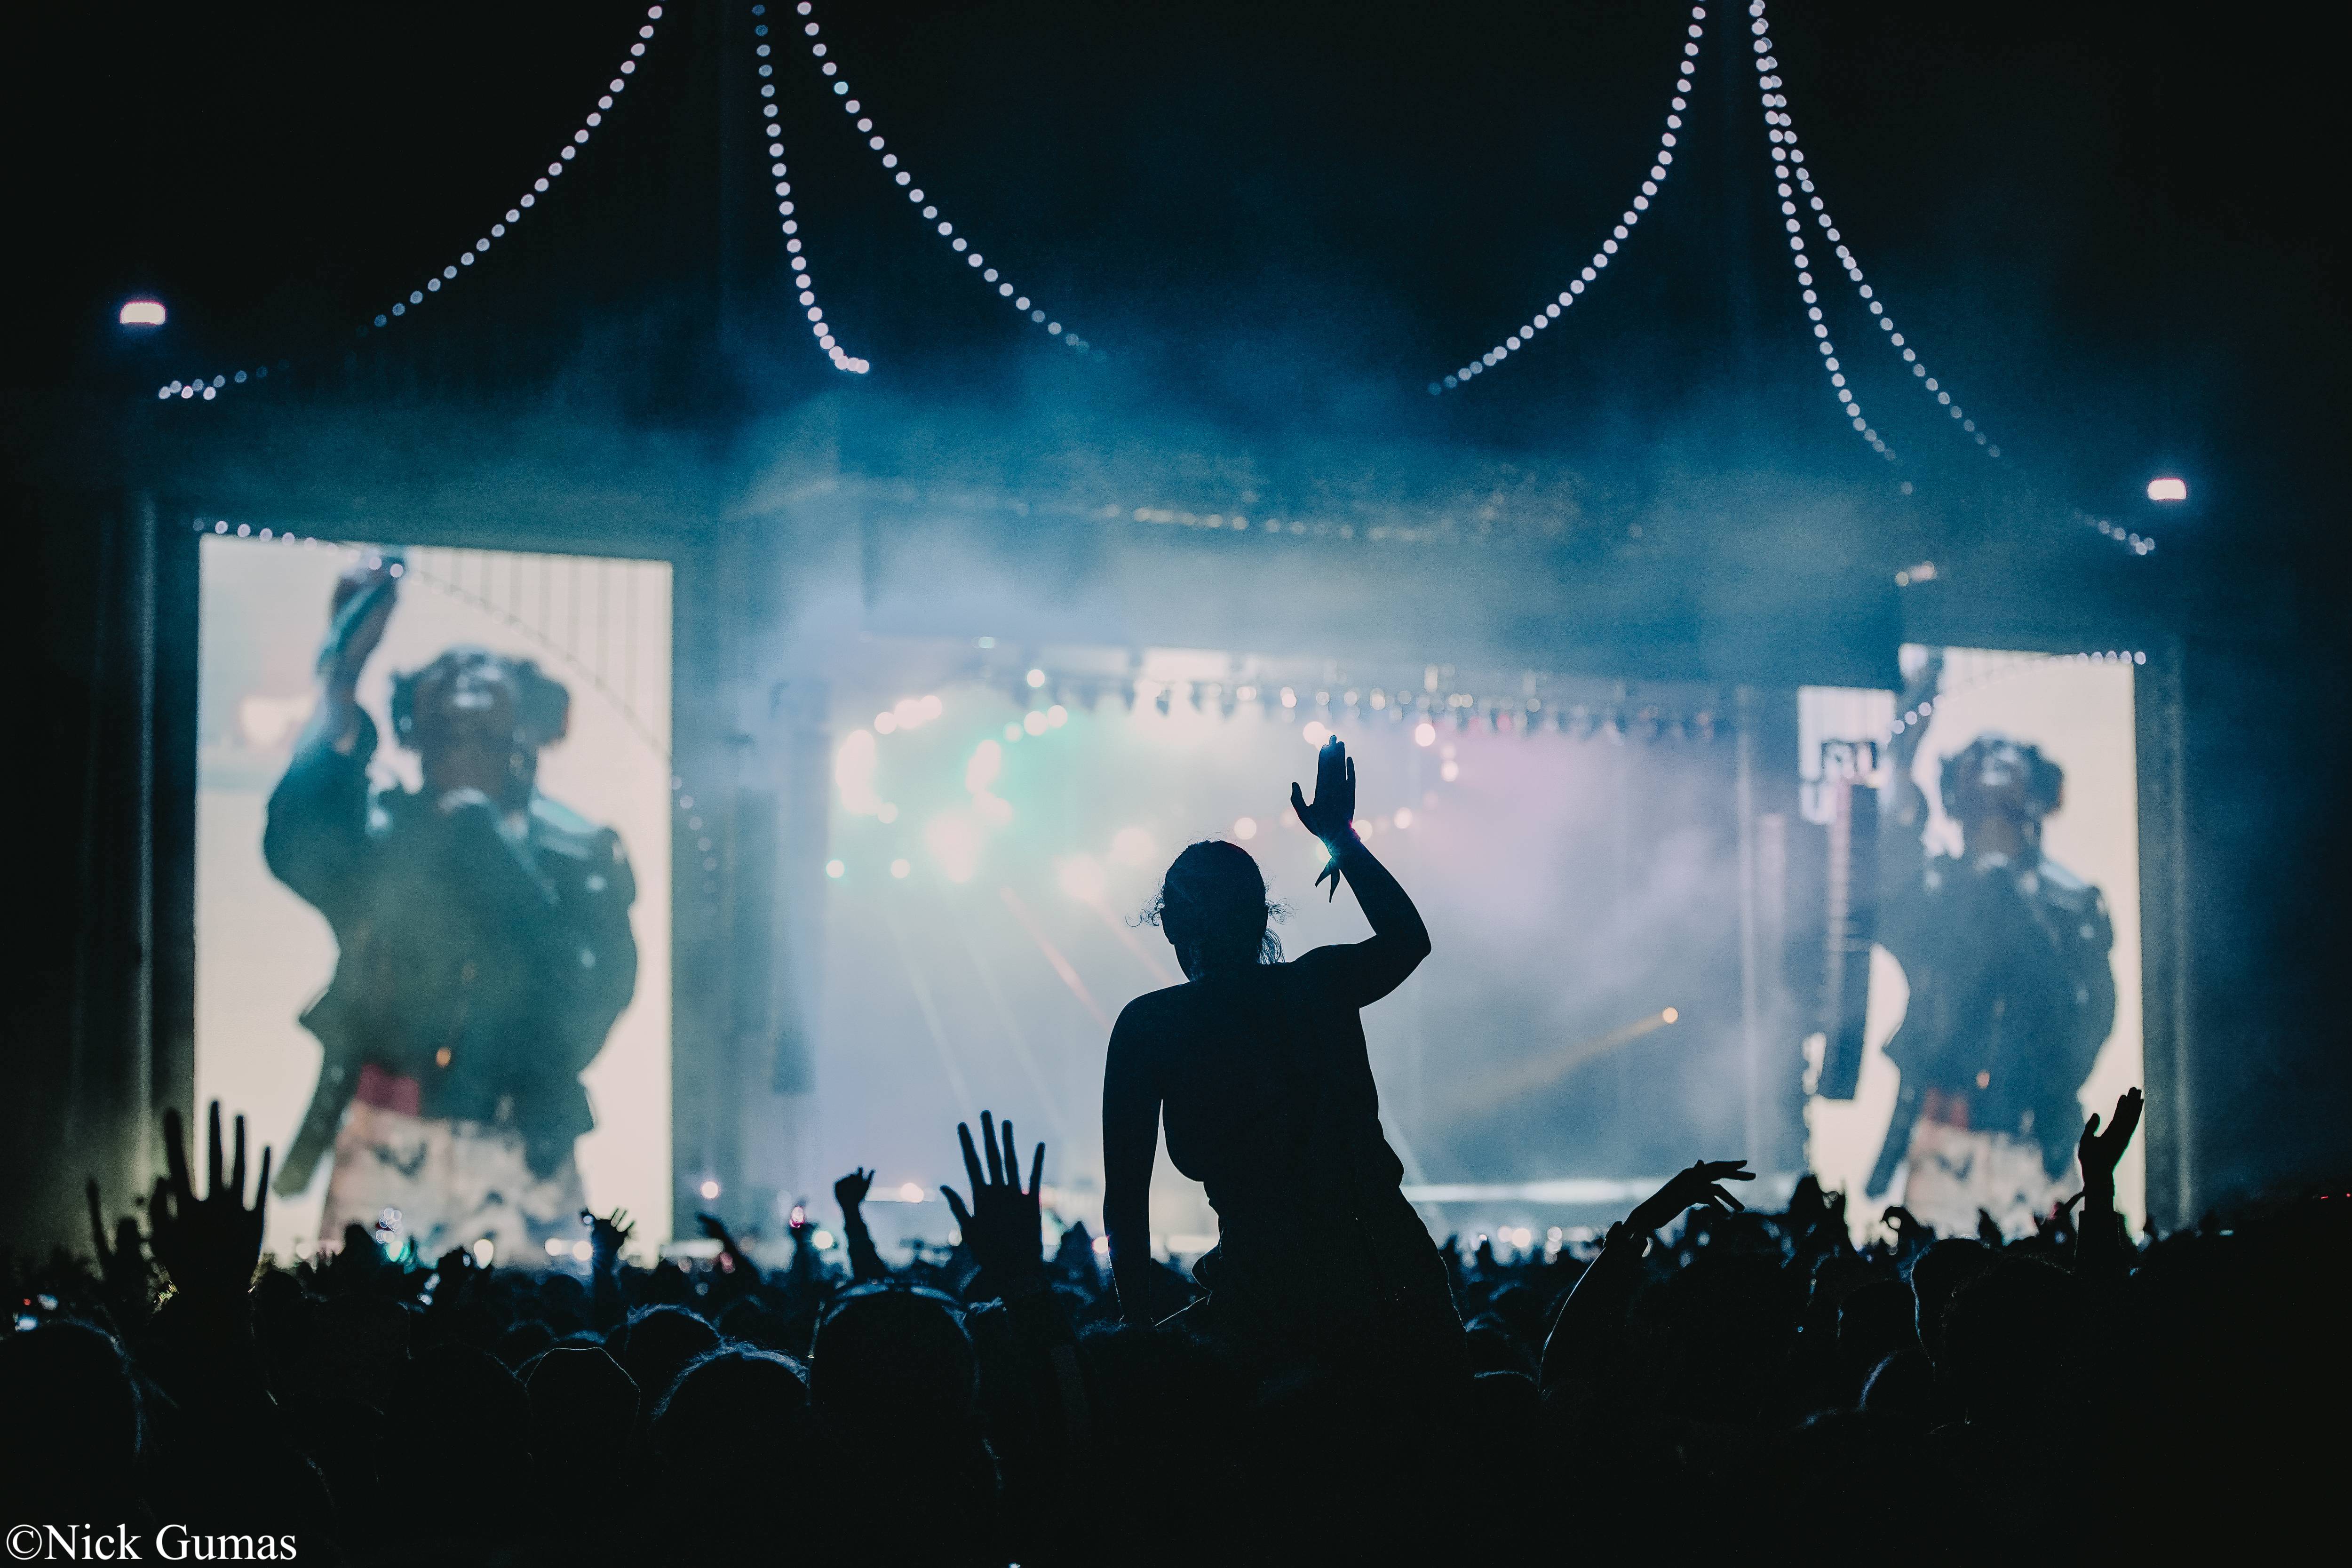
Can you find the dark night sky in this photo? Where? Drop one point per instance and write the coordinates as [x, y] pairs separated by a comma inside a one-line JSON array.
[[2108, 230]]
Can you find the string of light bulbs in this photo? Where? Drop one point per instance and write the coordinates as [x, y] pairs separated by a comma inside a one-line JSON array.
[[2138, 544], [1789, 166], [1622, 229], [772, 133], [210, 389], [916, 196]]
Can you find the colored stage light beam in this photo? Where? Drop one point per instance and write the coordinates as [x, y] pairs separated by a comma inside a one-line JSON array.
[[1540, 1073], [1012, 1032], [956, 1085], [1054, 956]]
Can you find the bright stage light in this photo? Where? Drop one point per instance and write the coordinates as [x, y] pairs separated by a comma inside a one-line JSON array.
[[1424, 733], [853, 773], [908, 1193], [835, 870], [710, 1188], [1082, 878], [1057, 716], [987, 762], [2168, 489], [484, 1250], [1669, 1016], [1315, 732], [1403, 817], [1036, 679], [1033, 721], [1450, 771], [1245, 829], [582, 1252], [886, 722], [1290, 697], [900, 869], [140, 313], [954, 840]]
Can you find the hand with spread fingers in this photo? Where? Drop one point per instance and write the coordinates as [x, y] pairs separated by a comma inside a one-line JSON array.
[[2100, 1153], [1332, 814], [1699, 1186], [1003, 1226], [851, 1190], [209, 1245], [121, 1267]]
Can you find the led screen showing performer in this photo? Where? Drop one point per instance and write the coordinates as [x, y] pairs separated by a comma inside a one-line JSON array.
[[2003, 986], [485, 939], [446, 826]]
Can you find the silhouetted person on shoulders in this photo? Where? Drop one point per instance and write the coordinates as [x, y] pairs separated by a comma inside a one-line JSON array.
[[1259, 1069]]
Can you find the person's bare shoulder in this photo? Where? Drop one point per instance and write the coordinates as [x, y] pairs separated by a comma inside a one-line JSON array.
[[1150, 1011]]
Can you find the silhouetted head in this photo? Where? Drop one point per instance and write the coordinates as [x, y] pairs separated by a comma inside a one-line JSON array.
[[897, 1359], [581, 1407], [2013, 1343], [477, 718], [1936, 1275], [1999, 776], [1213, 907], [735, 1419], [458, 1430], [655, 1346]]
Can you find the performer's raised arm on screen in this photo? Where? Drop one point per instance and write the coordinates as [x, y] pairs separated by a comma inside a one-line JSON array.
[[2011, 990], [484, 936]]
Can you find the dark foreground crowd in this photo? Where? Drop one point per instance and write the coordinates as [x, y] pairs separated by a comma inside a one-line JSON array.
[[1756, 1384]]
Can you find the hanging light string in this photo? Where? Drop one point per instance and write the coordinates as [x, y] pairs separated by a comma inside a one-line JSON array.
[[210, 389], [803, 279], [2138, 544], [1789, 166], [1621, 231], [957, 244]]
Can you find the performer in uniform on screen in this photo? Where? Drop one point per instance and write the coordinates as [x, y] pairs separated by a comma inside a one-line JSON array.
[[484, 939], [2013, 994]]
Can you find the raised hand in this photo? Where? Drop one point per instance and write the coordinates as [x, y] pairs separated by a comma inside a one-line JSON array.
[[1699, 1186], [607, 1236], [1004, 1227], [357, 615], [122, 1267], [208, 1244], [1332, 814], [850, 1190], [2100, 1151], [730, 1253]]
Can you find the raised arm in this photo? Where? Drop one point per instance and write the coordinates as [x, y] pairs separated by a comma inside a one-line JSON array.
[[1130, 1142], [317, 827], [1366, 970]]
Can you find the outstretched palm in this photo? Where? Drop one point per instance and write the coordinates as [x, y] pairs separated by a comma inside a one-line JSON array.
[[2101, 1152], [1330, 815], [207, 1245], [1002, 1227]]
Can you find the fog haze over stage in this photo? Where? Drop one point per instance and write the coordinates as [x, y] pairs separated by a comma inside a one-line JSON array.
[[1274, 232]]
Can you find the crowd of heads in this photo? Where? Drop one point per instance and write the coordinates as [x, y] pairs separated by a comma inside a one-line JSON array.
[[1675, 1391]]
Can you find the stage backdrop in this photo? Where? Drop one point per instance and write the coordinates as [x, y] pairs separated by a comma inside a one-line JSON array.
[[2080, 713], [993, 841], [603, 628]]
